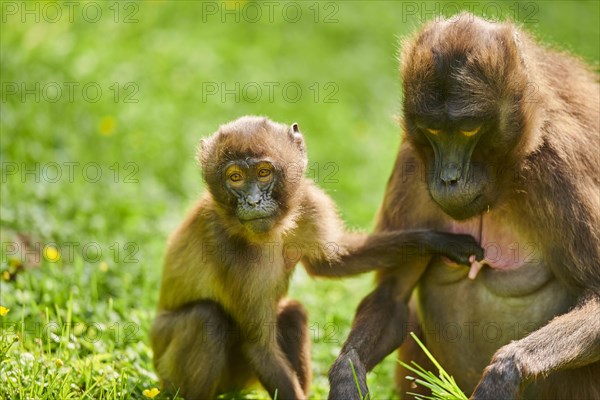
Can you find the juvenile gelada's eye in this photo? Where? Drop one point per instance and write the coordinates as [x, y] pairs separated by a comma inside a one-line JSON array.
[[235, 174], [264, 172], [235, 177], [433, 131], [470, 132]]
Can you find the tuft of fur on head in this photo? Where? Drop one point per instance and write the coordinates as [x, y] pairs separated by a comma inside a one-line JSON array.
[[253, 136]]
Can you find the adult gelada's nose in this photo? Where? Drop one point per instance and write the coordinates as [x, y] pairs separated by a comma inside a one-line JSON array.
[[450, 173]]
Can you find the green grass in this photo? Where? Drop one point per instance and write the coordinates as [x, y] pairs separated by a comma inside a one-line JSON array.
[[82, 321], [442, 386]]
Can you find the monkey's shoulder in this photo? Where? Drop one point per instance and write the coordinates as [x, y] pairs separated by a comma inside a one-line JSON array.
[[316, 221]]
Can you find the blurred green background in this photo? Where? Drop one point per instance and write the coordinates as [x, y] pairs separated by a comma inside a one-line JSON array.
[[102, 104]]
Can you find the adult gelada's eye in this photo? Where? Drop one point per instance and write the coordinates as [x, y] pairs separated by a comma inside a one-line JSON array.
[[470, 132], [433, 131]]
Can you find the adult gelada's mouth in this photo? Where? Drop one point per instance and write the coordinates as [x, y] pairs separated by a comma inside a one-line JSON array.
[[472, 203], [466, 211]]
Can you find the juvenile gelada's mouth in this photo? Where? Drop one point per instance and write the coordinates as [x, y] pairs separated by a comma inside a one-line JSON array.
[[253, 219]]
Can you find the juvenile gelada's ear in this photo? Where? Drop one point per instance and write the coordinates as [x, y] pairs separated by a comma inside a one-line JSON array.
[[296, 135], [200, 150]]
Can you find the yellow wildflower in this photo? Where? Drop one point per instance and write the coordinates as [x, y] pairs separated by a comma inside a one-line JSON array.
[[103, 266], [151, 393], [107, 126], [51, 253], [4, 311]]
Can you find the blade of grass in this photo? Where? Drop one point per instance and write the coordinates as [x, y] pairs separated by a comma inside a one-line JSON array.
[[356, 380], [442, 386]]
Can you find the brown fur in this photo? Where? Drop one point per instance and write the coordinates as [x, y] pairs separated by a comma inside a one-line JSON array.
[[223, 319], [544, 113]]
